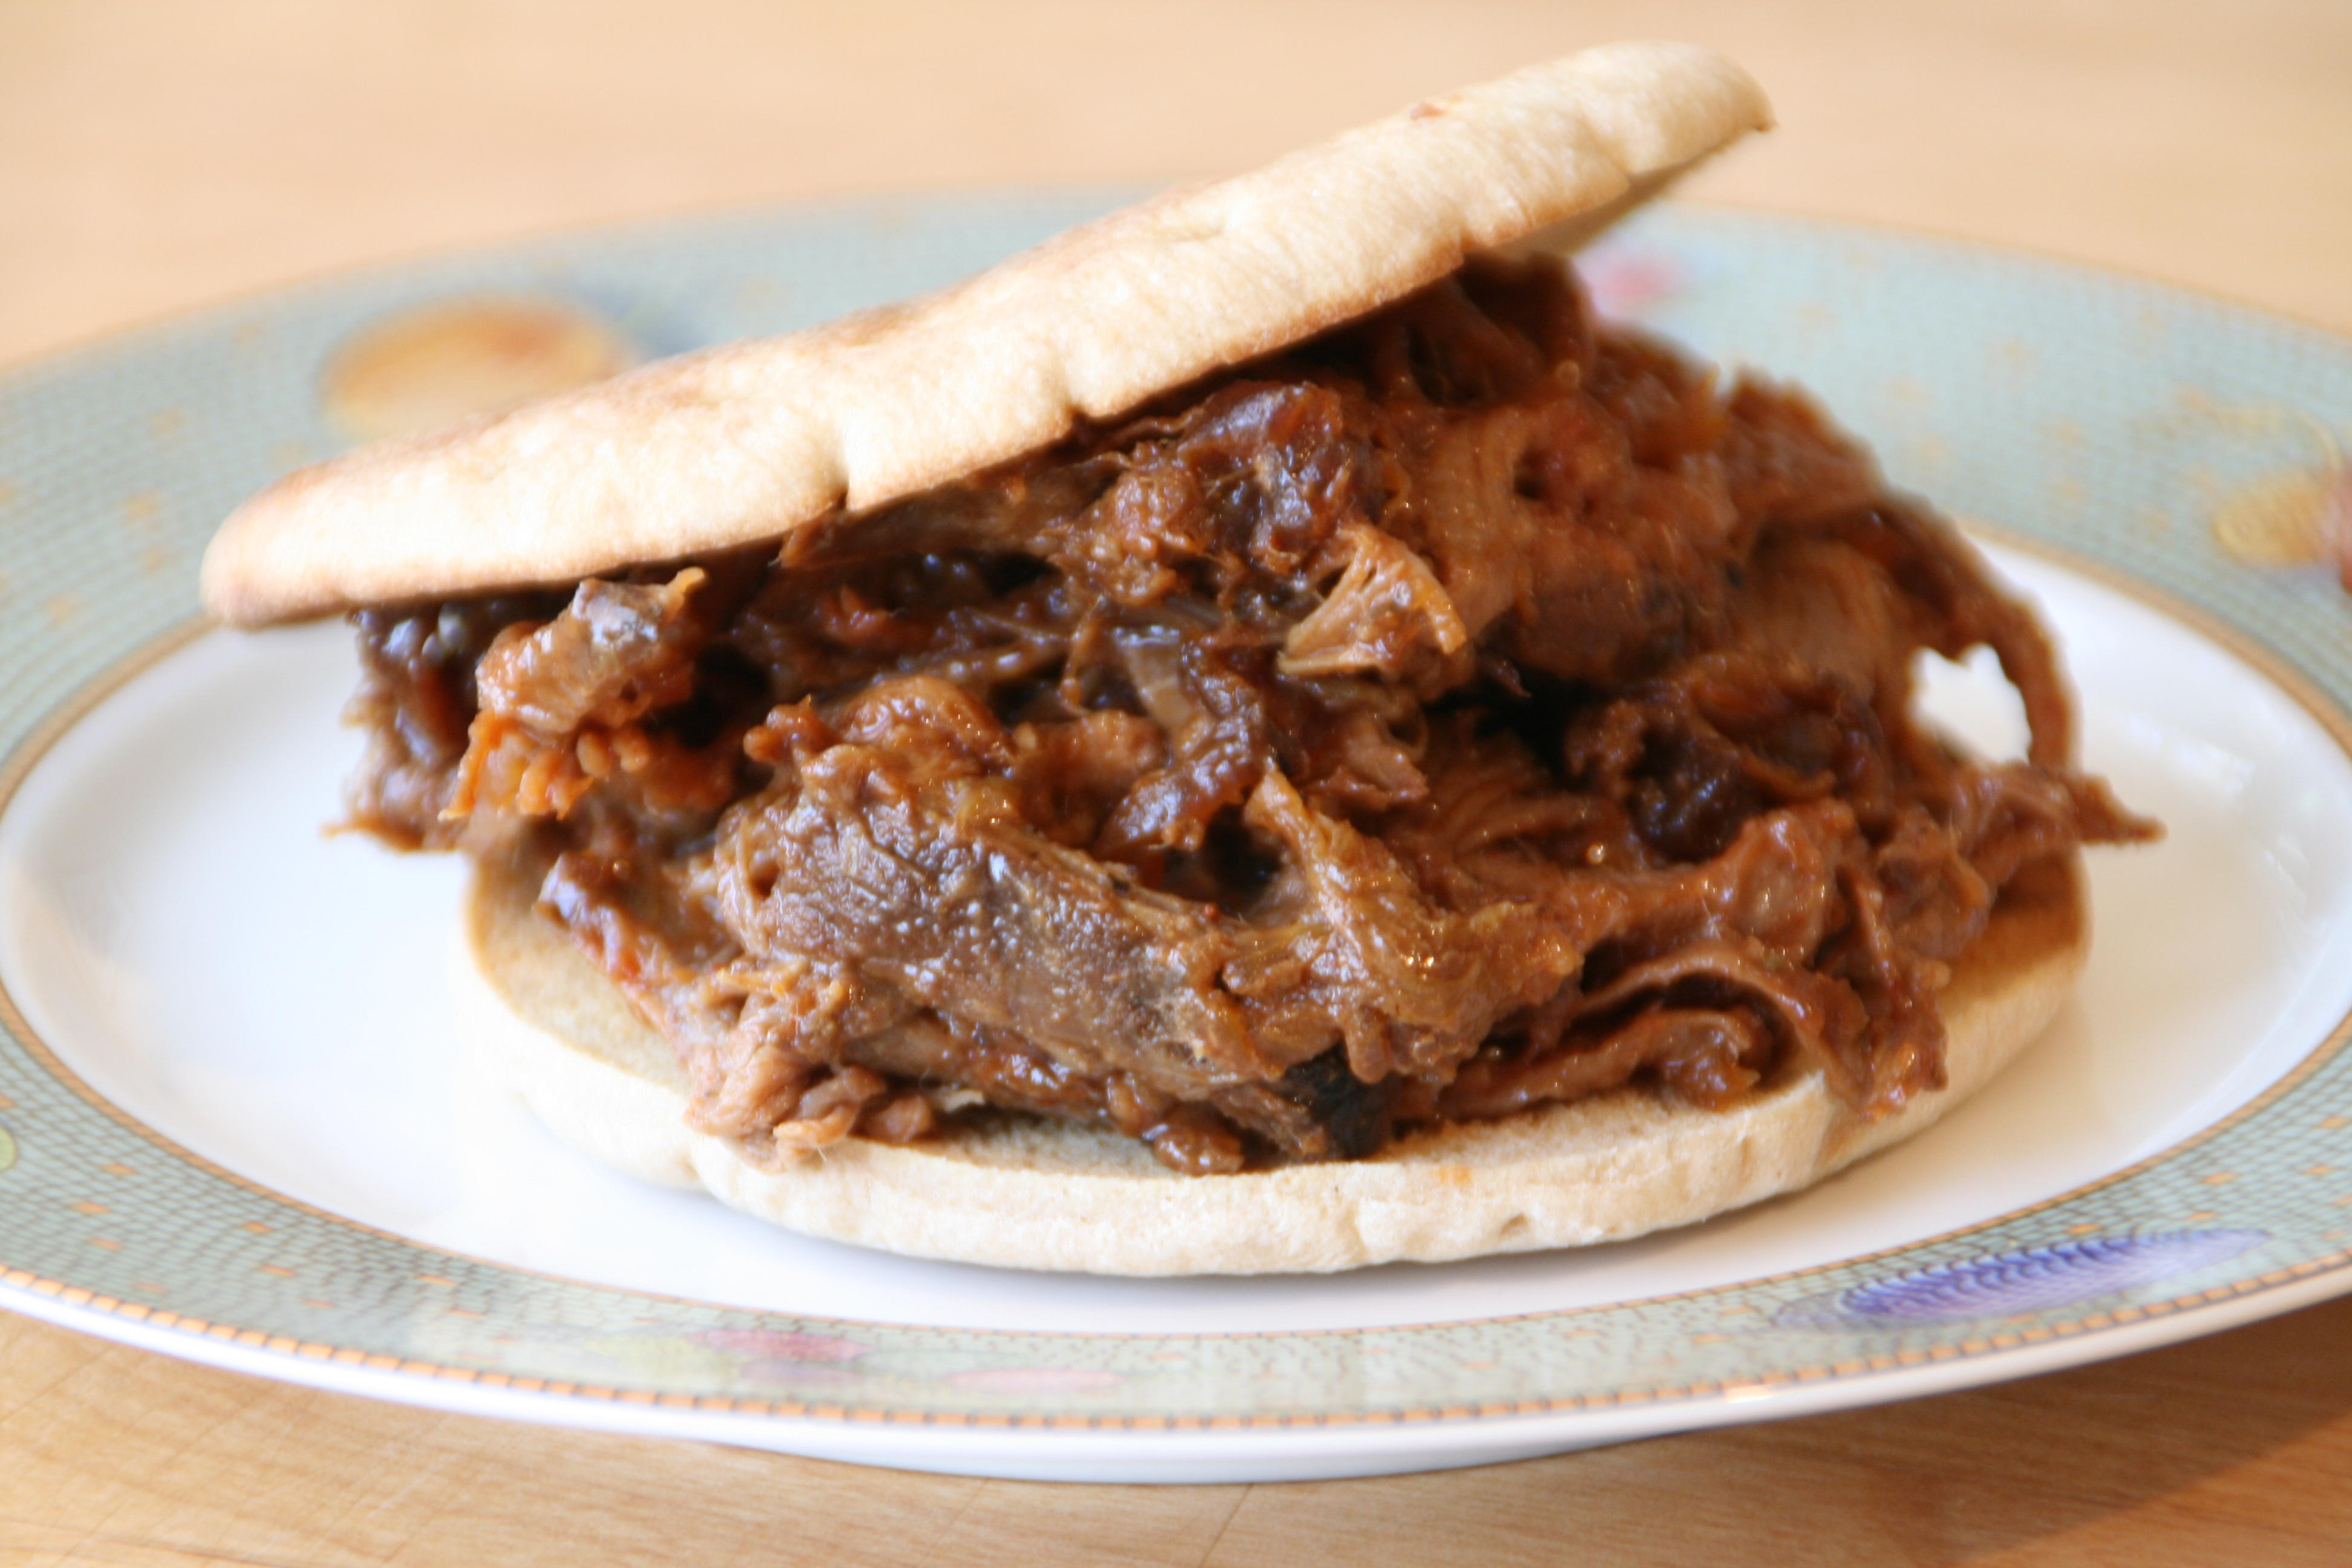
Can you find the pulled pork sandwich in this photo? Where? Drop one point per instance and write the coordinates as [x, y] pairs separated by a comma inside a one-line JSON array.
[[1258, 735]]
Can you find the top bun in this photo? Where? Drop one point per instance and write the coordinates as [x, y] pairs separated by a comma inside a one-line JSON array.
[[754, 440]]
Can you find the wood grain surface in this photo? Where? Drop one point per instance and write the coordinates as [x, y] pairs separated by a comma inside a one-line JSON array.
[[160, 155]]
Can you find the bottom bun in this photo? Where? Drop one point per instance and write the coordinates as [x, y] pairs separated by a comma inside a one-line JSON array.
[[1038, 1192]]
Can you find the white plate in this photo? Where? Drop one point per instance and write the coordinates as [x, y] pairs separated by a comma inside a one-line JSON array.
[[257, 1146]]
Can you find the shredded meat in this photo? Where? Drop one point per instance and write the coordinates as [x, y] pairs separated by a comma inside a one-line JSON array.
[[1471, 709]]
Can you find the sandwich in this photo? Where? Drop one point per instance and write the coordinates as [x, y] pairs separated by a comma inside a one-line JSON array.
[[1258, 735]]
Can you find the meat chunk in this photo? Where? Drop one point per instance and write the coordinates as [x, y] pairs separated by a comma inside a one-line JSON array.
[[1470, 708]]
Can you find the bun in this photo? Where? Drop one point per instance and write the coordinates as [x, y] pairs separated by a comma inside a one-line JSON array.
[[753, 441], [1032, 1193]]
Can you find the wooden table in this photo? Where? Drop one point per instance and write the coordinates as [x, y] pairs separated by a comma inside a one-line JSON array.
[[158, 156]]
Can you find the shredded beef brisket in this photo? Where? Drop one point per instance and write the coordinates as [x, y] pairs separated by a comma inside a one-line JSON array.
[[1470, 708]]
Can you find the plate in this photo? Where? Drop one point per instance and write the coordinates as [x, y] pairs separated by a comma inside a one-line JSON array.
[[232, 1127]]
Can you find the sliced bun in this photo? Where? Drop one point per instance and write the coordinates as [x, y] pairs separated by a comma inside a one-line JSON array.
[[1030, 1193], [754, 440]]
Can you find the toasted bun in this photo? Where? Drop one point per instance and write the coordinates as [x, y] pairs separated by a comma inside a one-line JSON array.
[[751, 441], [1031, 1192]]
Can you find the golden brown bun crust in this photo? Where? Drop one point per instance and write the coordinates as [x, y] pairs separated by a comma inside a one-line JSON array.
[[750, 441], [1029, 1193]]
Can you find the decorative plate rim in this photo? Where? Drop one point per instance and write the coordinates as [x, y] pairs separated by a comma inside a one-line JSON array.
[[1702, 1401]]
